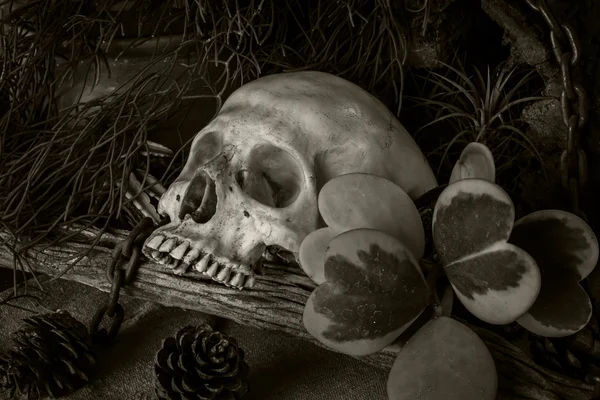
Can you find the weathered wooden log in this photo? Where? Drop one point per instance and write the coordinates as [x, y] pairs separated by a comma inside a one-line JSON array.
[[275, 303]]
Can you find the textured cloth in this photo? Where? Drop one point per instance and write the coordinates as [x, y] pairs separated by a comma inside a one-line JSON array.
[[281, 367]]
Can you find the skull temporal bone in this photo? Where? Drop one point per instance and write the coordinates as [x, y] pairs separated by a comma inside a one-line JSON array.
[[254, 172]]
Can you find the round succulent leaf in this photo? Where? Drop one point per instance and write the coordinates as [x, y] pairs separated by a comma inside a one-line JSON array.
[[566, 251], [496, 281], [374, 290], [476, 161], [470, 216], [360, 200], [558, 240], [560, 310], [311, 254], [497, 285], [444, 360]]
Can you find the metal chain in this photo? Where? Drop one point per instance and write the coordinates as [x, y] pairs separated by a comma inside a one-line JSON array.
[[574, 105], [127, 252]]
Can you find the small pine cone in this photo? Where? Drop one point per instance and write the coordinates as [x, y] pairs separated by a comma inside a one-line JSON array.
[[200, 363], [51, 356]]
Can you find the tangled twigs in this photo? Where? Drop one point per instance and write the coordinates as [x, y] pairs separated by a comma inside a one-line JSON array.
[[64, 163]]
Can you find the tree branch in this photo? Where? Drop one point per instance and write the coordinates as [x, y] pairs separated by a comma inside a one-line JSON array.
[[276, 303]]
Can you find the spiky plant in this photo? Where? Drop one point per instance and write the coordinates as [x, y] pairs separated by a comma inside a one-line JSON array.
[[478, 108]]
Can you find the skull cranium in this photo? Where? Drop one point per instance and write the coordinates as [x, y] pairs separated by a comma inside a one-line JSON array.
[[254, 172]]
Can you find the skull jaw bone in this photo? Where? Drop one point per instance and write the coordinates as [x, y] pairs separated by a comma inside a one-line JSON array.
[[180, 254], [228, 245]]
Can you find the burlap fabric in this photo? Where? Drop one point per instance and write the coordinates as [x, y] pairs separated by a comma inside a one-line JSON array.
[[281, 367]]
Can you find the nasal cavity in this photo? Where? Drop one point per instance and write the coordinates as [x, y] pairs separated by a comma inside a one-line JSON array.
[[200, 199]]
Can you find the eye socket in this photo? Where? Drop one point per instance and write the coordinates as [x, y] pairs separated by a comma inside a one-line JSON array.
[[205, 147], [274, 177]]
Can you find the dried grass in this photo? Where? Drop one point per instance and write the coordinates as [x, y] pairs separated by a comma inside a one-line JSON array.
[[63, 170]]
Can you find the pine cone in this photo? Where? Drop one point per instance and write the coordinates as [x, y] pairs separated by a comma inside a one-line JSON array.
[[200, 363], [50, 357]]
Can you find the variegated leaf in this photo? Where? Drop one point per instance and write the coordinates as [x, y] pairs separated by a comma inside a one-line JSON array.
[[374, 290], [566, 251], [476, 161], [361, 200], [495, 280], [312, 253]]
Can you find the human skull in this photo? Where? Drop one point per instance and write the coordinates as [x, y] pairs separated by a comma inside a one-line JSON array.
[[254, 172]]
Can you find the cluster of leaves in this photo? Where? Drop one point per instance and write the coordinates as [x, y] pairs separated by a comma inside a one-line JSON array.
[[372, 288]]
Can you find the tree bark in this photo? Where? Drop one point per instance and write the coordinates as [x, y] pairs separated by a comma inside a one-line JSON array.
[[275, 303]]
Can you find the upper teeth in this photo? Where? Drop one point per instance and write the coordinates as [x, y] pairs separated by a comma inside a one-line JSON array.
[[191, 256], [168, 245], [202, 265], [180, 255], [224, 274], [212, 270], [155, 242], [238, 278], [180, 250]]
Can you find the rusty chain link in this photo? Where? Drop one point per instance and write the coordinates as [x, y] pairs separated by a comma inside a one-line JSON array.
[[126, 252], [574, 108], [574, 104]]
